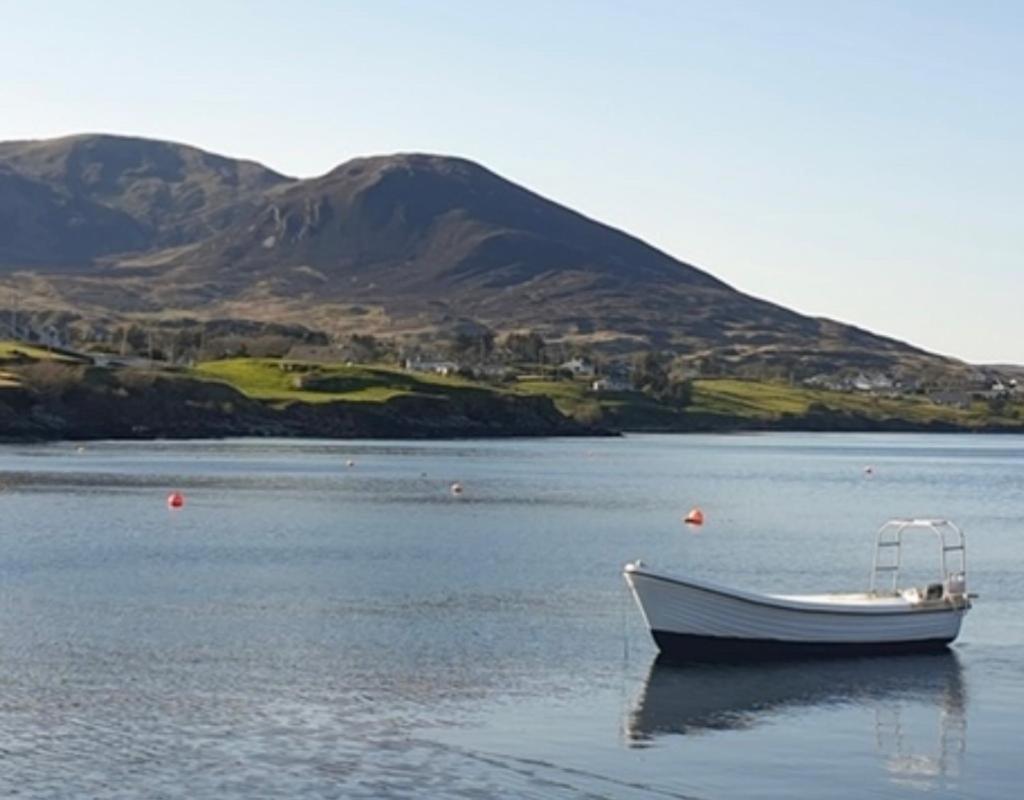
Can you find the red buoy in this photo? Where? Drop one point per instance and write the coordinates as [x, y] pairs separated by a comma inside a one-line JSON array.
[[175, 500], [695, 517]]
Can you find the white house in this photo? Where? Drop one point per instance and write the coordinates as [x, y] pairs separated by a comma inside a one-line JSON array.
[[875, 382], [579, 367], [437, 367], [612, 383]]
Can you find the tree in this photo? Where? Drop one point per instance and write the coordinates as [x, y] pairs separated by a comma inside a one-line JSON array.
[[650, 373], [270, 346], [710, 365], [364, 347], [679, 392], [186, 343], [527, 347], [485, 344], [135, 338], [472, 346], [998, 405]]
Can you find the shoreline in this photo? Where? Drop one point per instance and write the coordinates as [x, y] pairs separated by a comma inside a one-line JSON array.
[[194, 434], [88, 403]]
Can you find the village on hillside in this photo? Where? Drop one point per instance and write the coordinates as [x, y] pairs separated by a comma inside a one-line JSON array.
[[477, 354]]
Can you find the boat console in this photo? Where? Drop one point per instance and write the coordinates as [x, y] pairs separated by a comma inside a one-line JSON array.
[[952, 586]]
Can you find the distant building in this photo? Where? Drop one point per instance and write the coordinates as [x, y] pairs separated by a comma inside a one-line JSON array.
[[114, 361], [861, 382], [579, 367], [50, 336], [823, 381], [908, 384], [437, 367], [612, 383], [871, 383], [952, 398], [493, 371]]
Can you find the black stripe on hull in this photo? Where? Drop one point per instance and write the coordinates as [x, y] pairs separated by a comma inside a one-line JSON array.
[[690, 647]]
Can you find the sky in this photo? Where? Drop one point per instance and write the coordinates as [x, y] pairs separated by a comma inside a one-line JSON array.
[[861, 161]]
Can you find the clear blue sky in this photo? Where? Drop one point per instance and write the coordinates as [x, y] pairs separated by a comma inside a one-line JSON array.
[[857, 160]]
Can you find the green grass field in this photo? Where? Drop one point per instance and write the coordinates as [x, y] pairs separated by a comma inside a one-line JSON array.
[[274, 379], [568, 396], [10, 350], [763, 400]]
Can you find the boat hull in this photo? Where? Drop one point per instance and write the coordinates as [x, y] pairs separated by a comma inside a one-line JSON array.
[[698, 621], [691, 647]]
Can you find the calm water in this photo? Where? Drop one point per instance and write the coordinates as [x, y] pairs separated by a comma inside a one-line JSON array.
[[306, 629]]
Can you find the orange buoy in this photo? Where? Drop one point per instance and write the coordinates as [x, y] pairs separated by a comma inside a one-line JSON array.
[[175, 500], [456, 488], [695, 517]]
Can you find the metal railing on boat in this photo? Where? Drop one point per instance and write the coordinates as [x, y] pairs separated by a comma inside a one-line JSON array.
[[889, 540]]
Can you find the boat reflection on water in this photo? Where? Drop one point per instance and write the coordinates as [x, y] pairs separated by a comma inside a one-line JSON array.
[[919, 704]]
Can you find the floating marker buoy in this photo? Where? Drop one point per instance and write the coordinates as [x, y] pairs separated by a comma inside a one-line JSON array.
[[175, 500], [695, 517], [456, 488]]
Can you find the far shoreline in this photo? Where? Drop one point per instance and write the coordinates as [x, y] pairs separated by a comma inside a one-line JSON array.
[[611, 435], [257, 398]]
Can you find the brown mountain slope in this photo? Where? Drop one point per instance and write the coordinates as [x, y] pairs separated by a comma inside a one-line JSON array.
[[100, 194], [40, 225], [429, 238], [394, 244], [436, 221]]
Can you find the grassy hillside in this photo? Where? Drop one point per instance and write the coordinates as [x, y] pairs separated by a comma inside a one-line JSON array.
[[758, 403], [49, 400], [387, 401], [762, 400], [274, 379], [716, 403], [15, 351]]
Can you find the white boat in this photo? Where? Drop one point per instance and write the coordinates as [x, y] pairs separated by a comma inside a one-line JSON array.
[[697, 620]]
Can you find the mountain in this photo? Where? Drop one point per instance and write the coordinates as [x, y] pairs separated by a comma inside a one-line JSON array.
[[404, 244], [68, 201], [39, 225]]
